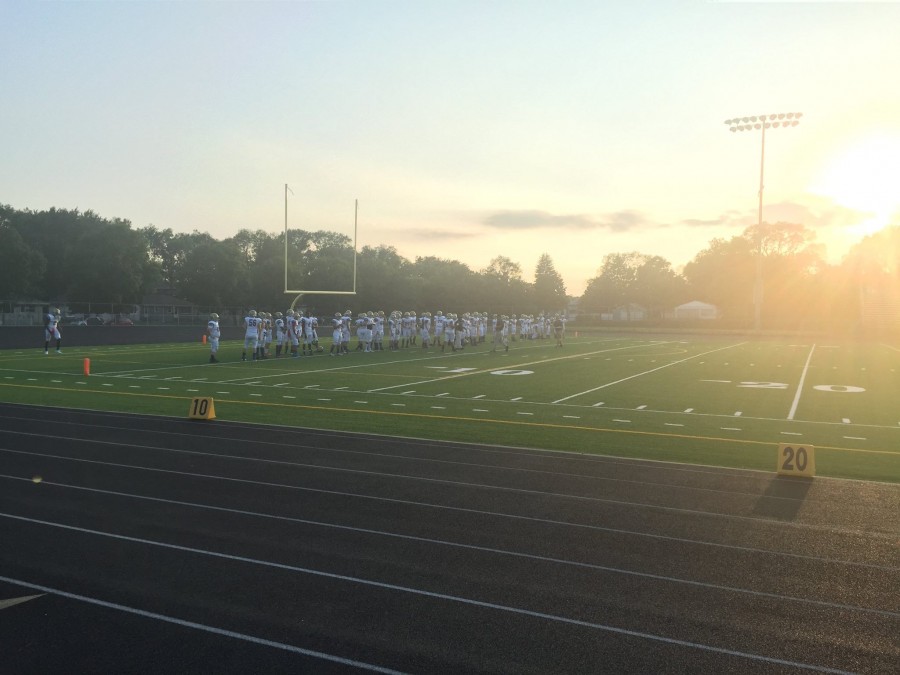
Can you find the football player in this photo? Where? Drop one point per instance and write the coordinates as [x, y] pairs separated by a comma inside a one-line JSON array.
[[251, 334], [51, 330], [213, 333]]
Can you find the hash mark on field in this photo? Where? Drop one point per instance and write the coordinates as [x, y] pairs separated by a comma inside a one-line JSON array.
[[223, 392], [672, 424], [479, 396], [311, 386], [729, 429], [339, 388], [688, 410], [411, 391], [571, 417], [641, 407], [738, 413], [445, 393], [81, 383], [288, 397], [200, 379], [625, 421], [34, 379], [597, 405], [281, 384], [319, 399], [846, 420], [854, 438], [106, 384], [791, 433], [517, 398], [524, 413], [438, 407], [163, 388], [256, 394], [137, 386], [57, 381], [479, 410], [194, 390]]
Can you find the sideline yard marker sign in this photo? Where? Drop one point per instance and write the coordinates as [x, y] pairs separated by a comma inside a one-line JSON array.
[[202, 408], [796, 460]]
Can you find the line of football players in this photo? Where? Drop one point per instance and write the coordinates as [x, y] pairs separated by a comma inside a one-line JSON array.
[[296, 334]]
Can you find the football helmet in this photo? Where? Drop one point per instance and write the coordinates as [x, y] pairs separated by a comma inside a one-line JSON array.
[[252, 312], [214, 316]]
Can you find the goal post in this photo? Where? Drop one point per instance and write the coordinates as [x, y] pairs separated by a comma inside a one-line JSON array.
[[299, 292]]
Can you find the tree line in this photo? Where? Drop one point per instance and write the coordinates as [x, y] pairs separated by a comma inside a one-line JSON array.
[[58, 255]]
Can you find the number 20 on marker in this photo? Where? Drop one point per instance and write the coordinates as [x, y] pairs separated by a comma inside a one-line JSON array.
[[796, 460]]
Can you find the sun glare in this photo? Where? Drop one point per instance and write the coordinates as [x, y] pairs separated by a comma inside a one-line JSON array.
[[864, 177]]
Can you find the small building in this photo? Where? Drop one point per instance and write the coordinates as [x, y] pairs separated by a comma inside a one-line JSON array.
[[696, 310]]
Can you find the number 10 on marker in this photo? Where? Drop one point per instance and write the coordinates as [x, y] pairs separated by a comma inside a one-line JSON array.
[[796, 460], [202, 409]]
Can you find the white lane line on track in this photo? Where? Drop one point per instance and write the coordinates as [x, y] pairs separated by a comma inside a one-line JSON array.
[[204, 627], [800, 384], [420, 592], [454, 544], [480, 512], [442, 481]]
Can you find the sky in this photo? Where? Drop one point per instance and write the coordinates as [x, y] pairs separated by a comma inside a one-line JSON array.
[[465, 129]]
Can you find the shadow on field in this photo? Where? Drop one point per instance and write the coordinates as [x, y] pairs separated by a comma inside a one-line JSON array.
[[783, 498]]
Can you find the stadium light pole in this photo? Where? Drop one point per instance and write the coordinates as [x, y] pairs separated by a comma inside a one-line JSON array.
[[761, 123]]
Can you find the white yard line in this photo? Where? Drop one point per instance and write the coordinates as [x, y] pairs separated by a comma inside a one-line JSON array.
[[543, 361], [800, 386], [646, 372]]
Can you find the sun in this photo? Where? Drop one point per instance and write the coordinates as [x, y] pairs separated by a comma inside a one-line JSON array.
[[863, 177]]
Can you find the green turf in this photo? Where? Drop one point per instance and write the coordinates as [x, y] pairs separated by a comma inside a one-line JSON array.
[[727, 402]]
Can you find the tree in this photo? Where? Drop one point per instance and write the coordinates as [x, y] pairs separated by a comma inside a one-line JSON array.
[[657, 287], [215, 274], [549, 291], [21, 267], [503, 268], [614, 284], [723, 274], [108, 264]]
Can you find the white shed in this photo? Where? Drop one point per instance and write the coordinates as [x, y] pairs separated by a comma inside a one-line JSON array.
[[696, 310]]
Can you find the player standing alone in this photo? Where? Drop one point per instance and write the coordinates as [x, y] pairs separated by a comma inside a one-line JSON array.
[[51, 330], [212, 330]]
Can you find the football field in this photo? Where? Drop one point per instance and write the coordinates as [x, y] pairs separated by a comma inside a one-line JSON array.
[[725, 401]]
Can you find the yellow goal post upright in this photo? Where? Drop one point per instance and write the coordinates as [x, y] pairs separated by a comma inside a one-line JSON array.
[[300, 292]]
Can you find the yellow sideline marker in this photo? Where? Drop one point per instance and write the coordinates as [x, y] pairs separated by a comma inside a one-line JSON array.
[[202, 409], [796, 460]]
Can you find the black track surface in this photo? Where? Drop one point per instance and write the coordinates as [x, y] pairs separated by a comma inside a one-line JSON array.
[[167, 545]]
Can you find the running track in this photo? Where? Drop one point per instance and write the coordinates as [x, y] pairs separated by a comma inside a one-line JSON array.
[[144, 544]]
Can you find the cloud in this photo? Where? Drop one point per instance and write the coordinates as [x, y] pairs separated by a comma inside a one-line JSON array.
[[424, 234], [814, 213], [621, 221]]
